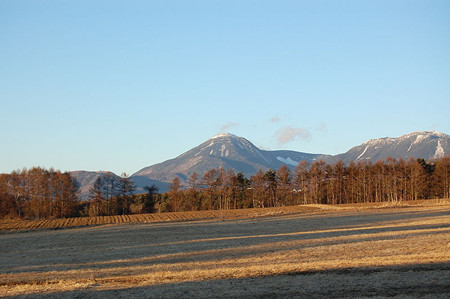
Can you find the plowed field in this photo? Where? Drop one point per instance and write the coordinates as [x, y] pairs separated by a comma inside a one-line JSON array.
[[306, 251], [17, 225]]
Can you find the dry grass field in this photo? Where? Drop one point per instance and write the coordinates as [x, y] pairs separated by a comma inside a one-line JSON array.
[[21, 225], [306, 251]]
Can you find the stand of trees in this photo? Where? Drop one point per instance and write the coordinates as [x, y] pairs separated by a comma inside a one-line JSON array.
[[38, 193], [115, 196], [391, 180]]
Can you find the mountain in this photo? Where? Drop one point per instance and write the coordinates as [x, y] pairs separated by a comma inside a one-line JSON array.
[[86, 180], [223, 150], [426, 145], [237, 153]]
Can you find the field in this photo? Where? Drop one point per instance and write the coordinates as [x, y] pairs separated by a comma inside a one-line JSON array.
[[305, 251]]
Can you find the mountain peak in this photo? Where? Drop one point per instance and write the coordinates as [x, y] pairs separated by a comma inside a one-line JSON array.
[[224, 150], [237, 153], [420, 144], [426, 133], [419, 136], [222, 135]]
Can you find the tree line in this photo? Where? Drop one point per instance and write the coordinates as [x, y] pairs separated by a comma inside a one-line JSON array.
[[316, 183], [39, 193], [111, 195]]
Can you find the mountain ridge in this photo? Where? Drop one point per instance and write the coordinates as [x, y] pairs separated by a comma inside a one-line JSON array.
[[226, 150], [239, 154], [420, 144]]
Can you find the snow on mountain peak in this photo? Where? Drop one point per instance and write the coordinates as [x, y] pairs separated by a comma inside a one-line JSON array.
[[224, 135], [424, 134], [419, 136], [372, 142]]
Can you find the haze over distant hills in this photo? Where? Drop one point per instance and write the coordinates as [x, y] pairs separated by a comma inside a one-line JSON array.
[[237, 153]]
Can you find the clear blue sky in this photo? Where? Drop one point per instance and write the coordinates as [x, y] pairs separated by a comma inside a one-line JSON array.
[[120, 85]]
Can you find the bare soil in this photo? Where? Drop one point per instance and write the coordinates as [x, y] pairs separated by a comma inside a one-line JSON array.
[[314, 251]]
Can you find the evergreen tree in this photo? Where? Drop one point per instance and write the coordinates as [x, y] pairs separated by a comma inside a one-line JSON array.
[[125, 189], [149, 199]]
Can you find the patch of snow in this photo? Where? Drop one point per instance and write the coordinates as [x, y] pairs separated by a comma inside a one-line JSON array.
[[419, 138], [439, 134], [379, 141], [224, 135], [362, 153], [191, 163], [287, 161], [425, 134], [439, 153], [222, 150]]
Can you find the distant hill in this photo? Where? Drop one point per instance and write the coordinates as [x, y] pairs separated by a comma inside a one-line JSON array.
[[87, 179], [426, 145], [237, 153], [224, 150]]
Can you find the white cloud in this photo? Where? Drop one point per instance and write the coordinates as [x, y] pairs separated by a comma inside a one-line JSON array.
[[286, 134], [228, 126]]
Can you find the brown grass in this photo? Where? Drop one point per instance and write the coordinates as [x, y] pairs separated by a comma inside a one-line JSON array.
[[21, 225], [17, 225], [352, 250]]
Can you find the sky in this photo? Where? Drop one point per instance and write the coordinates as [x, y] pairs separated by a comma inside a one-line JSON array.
[[121, 85]]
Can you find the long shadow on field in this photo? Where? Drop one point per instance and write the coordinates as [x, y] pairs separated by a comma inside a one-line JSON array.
[[220, 250], [157, 244], [412, 280]]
